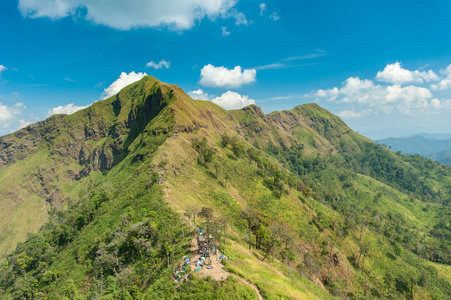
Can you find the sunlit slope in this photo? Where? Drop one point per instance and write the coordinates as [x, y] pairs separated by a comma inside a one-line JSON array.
[[332, 214], [41, 163]]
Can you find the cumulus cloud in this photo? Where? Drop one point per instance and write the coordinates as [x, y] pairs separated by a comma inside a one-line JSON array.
[[123, 80], [66, 109], [437, 104], [3, 68], [394, 73], [382, 98], [224, 31], [222, 77], [262, 8], [160, 65], [445, 83], [123, 15], [351, 114], [199, 95], [363, 97], [8, 114], [232, 100]]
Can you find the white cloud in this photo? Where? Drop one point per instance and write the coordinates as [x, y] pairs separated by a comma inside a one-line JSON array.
[[445, 104], [275, 16], [23, 124], [287, 62], [435, 103], [124, 15], [232, 100], [240, 18], [9, 113], [262, 8], [3, 68], [222, 77], [351, 114], [199, 95], [439, 104], [377, 97], [317, 53], [5, 113], [160, 65], [394, 73], [123, 80], [445, 83], [272, 66], [396, 93], [224, 31], [66, 109]]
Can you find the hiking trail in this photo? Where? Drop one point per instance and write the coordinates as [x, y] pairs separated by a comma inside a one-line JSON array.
[[217, 272]]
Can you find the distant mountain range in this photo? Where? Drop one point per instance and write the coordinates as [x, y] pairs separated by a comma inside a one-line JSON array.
[[436, 146]]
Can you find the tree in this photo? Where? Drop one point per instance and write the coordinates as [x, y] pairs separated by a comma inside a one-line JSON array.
[[237, 148], [312, 264], [191, 212], [111, 284], [272, 237], [207, 214], [225, 140], [217, 165], [388, 281], [22, 262], [207, 155], [251, 216], [364, 248], [70, 290]]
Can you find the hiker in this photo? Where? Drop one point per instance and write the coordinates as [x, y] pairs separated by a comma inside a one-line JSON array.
[[203, 260], [186, 261], [213, 250], [207, 257], [210, 237]]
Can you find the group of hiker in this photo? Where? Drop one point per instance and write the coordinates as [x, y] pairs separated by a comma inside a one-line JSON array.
[[206, 248]]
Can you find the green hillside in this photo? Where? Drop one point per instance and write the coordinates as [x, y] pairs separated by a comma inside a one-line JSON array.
[[104, 204]]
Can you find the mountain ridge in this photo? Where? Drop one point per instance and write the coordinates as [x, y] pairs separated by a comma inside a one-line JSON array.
[[119, 178], [437, 149]]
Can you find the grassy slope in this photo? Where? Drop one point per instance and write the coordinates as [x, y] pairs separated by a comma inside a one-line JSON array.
[[237, 185], [66, 146], [195, 185]]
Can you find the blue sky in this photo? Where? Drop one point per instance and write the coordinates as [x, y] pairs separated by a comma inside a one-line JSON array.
[[383, 66]]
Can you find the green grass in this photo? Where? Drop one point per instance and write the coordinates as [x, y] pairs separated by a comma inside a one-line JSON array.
[[148, 129]]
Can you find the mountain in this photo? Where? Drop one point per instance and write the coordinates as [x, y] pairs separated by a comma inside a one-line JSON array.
[[104, 204], [435, 136], [433, 146]]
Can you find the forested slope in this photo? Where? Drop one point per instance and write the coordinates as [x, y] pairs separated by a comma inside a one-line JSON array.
[[304, 207]]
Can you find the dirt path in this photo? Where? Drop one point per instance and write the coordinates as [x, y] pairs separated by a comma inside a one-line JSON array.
[[215, 269], [260, 297]]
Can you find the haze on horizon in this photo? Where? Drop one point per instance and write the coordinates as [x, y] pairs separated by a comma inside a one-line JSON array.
[[384, 68]]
